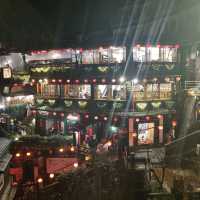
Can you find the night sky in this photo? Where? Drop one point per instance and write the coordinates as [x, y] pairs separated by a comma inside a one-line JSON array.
[[61, 23]]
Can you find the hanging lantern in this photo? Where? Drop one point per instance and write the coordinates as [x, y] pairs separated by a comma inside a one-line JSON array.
[[33, 80], [137, 119], [28, 154], [160, 127], [54, 113], [68, 81], [178, 78], [167, 79], [86, 116], [147, 118], [105, 118], [94, 80], [77, 81], [60, 81], [103, 80], [96, 117], [62, 114], [159, 116], [113, 80], [174, 123], [85, 81]]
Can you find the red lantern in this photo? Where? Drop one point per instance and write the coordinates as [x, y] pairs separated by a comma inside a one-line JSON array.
[[94, 80], [174, 123], [147, 118]]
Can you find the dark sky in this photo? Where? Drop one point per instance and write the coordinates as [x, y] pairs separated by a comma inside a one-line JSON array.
[[40, 24]]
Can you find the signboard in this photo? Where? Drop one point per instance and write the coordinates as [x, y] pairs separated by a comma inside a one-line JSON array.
[[7, 73], [55, 165]]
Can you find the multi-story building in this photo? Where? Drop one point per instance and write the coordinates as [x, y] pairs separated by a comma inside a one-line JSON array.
[[96, 92]]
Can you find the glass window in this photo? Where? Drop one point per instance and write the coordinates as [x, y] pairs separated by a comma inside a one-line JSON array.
[[110, 92], [117, 54], [139, 54], [77, 91], [168, 54], [87, 57], [153, 54]]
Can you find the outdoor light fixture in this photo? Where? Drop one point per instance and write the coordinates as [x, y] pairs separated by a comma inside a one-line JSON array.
[[33, 80], [16, 139], [85, 81], [51, 175], [68, 81], [94, 80], [40, 81], [135, 80], [17, 154], [75, 164], [160, 127], [105, 118], [60, 81], [28, 154], [53, 81], [121, 79], [40, 180], [77, 81]]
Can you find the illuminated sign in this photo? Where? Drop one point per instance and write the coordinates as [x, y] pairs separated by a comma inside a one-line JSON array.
[[7, 73]]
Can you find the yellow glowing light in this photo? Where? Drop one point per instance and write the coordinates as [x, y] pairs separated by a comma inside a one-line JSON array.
[[17, 154], [28, 154], [75, 164], [51, 175], [40, 180], [72, 149], [61, 150]]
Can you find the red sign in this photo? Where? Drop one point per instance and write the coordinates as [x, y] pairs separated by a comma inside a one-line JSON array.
[[55, 165]]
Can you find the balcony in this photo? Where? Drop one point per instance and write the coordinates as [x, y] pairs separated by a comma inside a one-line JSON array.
[[151, 96]]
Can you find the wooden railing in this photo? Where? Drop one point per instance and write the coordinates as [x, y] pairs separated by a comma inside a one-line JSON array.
[[145, 96]]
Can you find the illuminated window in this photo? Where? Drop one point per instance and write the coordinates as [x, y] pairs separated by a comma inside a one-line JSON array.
[[110, 92], [139, 54]]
